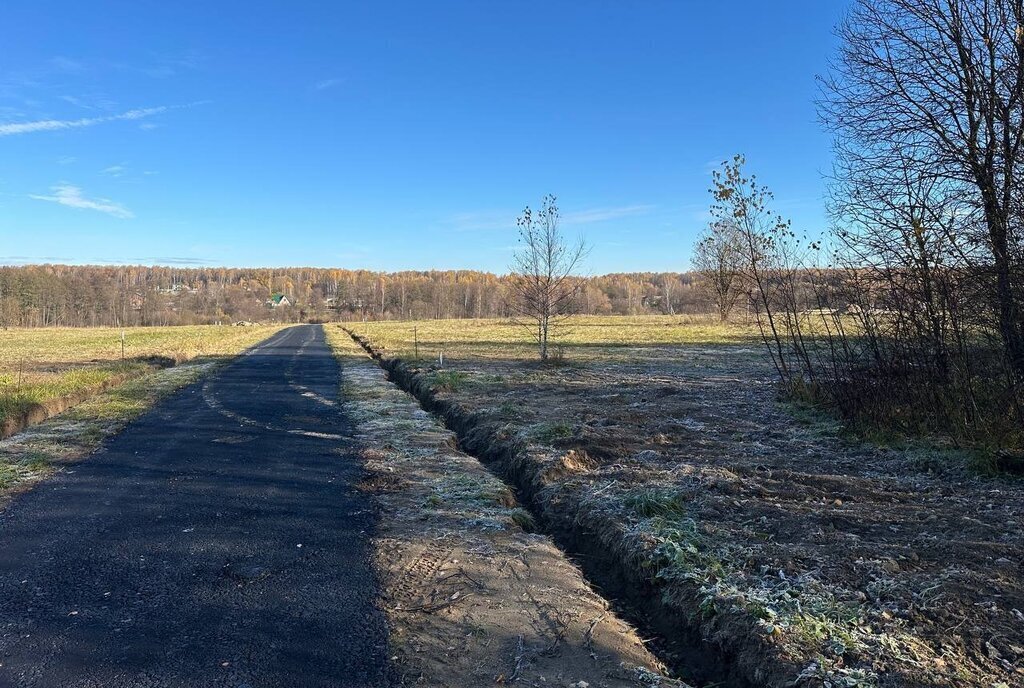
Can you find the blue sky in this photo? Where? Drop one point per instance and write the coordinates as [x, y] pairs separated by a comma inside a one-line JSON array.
[[396, 135]]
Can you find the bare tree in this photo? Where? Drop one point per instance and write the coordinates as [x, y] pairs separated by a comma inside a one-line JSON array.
[[543, 285], [772, 263], [718, 259], [934, 90], [668, 289]]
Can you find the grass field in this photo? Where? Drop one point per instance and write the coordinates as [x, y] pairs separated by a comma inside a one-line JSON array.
[[578, 337], [37, 365]]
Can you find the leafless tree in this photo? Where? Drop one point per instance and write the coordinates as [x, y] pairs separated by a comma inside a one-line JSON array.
[[718, 259], [544, 287], [907, 277], [933, 91]]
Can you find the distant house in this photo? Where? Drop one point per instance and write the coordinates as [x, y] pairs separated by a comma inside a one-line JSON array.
[[179, 289], [278, 300]]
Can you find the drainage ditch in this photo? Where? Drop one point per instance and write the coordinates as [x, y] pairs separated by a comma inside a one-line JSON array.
[[680, 635]]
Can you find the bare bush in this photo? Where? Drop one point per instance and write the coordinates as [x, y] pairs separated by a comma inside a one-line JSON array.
[[897, 333], [771, 261], [917, 325]]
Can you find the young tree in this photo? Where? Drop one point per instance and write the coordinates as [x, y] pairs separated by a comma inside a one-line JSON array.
[[543, 288], [718, 259], [771, 263]]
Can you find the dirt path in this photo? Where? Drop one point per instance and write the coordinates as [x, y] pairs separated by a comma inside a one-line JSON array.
[[218, 540]]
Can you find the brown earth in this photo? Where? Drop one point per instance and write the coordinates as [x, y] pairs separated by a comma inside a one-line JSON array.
[[797, 555], [471, 597]]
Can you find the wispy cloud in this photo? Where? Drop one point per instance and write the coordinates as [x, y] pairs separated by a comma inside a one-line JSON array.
[[71, 196], [716, 163], [30, 260], [585, 217], [66, 65], [480, 221], [59, 124], [506, 219], [77, 102], [160, 66], [325, 84], [17, 84], [91, 102], [115, 170], [8, 111]]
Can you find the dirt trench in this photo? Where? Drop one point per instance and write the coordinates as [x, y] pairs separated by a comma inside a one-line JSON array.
[[472, 593], [716, 652]]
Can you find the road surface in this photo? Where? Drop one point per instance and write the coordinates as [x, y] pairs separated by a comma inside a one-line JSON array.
[[217, 541]]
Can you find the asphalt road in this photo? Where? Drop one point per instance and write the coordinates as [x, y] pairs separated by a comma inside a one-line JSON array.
[[217, 541]]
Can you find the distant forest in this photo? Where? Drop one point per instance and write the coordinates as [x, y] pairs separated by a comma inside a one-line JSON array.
[[76, 296]]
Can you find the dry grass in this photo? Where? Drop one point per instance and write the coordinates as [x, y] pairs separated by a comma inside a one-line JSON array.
[[37, 365], [582, 338]]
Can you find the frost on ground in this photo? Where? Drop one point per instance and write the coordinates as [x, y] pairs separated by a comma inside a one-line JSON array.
[[806, 557], [472, 598]]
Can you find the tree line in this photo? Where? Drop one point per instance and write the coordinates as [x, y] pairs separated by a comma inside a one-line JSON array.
[[90, 296]]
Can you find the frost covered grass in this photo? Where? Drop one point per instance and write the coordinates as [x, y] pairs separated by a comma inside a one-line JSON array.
[[803, 555]]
